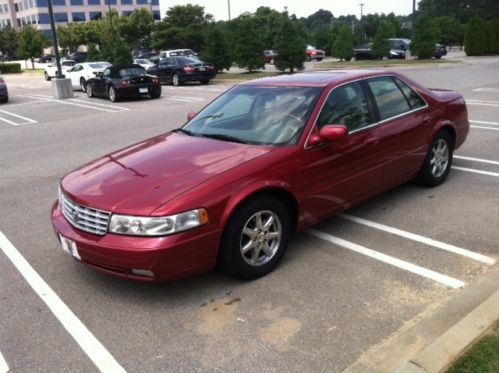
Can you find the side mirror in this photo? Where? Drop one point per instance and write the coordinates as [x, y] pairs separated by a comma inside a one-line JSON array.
[[191, 115], [329, 133], [99, 74]]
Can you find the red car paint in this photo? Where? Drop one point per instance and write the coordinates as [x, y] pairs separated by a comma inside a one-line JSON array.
[[173, 173]]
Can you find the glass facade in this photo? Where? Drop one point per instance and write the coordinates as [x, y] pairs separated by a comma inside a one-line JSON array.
[[44, 19], [76, 2], [42, 3], [78, 16], [126, 2], [61, 17], [95, 15], [142, 1], [93, 2], [58, 2]]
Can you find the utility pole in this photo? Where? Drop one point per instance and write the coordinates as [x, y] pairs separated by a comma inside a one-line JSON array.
[[228, 5], [54, 40], [361, 7], [112, 29]]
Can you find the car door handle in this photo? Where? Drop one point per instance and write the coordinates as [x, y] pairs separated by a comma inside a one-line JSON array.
[[427, 120], [371, 141]]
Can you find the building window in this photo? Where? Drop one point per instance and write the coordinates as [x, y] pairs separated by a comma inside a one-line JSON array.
[[42, 3], [155, 2], [142, 2], [93, 2], [126, 13], [95, 15], [156, 15], [16, 7], [78, 16], [44, 19], [76, 2], [26, 4], [126, 2], [58, 2], [61, 17]]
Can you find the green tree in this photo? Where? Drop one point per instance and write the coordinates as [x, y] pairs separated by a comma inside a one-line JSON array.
[[70, 37], [475, 39], [93, 54], [381, 45], [136, 28], [343, 44], [462, 10], [31, 44], [268, 22], [321, 38], [217, 47], [451, 31], [425, 37], [493, 36], [9, 41], [248, 45], [290, 44], [371, 24]]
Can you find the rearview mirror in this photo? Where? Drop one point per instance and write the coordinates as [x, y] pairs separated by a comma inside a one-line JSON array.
[[191, 115]]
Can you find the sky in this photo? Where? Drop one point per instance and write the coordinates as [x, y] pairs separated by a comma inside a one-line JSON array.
[[302, 8]]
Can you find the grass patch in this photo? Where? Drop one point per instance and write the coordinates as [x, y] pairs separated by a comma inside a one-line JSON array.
[[482, 358], [33, 72], [245, 75], [382, 63]]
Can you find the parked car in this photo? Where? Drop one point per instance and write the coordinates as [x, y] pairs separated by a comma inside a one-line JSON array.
[[440, 50], [265, 159], [314, 54], [145, 63], [4, 92], [45, 59], [51, 69], [82, 72], [124, 81], [150, 55], [398, 48], [78, 57], [177, 70], [363, 52], [270, 55], [178, 53]]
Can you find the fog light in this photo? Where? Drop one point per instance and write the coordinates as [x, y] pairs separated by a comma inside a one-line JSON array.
[[142, 272]]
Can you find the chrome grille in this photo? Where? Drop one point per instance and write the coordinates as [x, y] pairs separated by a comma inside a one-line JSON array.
[[85, 218]]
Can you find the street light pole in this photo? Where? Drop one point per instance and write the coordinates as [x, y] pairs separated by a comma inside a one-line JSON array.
[[361, 7], [112, 28], [54, 40], [228, 5]]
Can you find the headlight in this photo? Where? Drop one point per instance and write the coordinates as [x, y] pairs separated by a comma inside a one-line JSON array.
[[157, 226]]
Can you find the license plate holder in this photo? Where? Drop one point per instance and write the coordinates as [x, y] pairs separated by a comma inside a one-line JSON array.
[[143, 90], [69, 247]]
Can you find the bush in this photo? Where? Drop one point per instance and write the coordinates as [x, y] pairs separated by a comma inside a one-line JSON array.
[[475, 39], [343, 44], [425, 37], [8, 68]]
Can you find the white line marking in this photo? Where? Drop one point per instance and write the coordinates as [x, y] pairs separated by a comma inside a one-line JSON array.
[[486, 90], [418, 238], [486, 128], [483, 122], [488, 173], [476, 159], [4, 367], [482, 103], [9, 122], [63, 102], [186, 98], [402, 264], [99, 104], [18, 116], [99, 355]]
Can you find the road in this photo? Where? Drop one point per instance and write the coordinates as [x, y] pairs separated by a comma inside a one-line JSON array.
[[320, 310]]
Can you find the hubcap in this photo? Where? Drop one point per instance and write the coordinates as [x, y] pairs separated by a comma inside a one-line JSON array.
[[260, 238], [112, 95], [439, 158], [175, 80]]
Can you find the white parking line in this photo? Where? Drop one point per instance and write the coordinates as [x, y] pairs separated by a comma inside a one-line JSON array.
[[402, 264], [99, 355], [486, 128], [66, 102], [26, 120], [99, 104], [482, 102], [488, 173], [476, 159], [486, 90], [418, 238], [183, 98], [483, 122], [4, 368]]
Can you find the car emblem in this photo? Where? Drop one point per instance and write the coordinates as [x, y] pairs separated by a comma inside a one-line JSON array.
[[75, 215]]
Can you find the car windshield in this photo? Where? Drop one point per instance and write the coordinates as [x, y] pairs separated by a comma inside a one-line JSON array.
[[98, 65], [132, 71], [267, 115]]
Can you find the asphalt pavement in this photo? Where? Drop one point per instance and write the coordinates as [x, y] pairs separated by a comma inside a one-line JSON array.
[[325, 308]]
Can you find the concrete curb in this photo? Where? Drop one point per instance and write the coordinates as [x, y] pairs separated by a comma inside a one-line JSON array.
[[433, 341], [449, 346]]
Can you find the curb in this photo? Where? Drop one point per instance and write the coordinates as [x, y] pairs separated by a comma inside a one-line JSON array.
[[433, 341]]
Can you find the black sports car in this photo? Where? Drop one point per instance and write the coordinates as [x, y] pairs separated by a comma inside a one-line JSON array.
[[123, 81], [176, 70]]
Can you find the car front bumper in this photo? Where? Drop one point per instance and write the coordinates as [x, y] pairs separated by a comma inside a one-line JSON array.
[[167, 258]]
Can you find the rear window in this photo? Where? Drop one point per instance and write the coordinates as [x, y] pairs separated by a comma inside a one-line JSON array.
[[132, 71], [98, 65], [389, 98]]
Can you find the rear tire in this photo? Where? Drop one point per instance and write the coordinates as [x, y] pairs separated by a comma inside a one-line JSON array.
[[205, 81], [438, 161], [113, 95], [176, 80], [47, 77], [90, 90], [255, 238], [83, 85]]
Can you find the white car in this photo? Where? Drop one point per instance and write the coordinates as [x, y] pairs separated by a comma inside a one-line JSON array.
[[51, 69], [178, 53], [81, 72], [143, 62]]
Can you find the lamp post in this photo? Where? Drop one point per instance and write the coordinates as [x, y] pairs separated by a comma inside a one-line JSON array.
[[361, 7], [112, 28], [54, 40], [228, 6]]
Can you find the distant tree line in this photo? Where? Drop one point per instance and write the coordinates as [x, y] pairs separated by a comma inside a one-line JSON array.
[[472, 23]]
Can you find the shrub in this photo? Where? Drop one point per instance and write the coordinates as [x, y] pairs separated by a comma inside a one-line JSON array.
[[8, 68], [475, 39]]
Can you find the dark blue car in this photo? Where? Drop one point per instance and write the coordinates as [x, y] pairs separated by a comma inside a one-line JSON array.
[[177, 70], [4, 93]]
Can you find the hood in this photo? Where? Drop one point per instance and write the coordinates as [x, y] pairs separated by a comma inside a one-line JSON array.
[[138, 179]]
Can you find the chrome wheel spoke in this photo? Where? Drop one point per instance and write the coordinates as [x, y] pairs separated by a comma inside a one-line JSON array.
[[272, 235], [267, 250], [247, 247], [269, 222]]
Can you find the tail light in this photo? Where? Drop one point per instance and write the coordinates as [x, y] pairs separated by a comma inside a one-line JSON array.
[[314, 53], [155, 80], [2, 82], [189, 69]]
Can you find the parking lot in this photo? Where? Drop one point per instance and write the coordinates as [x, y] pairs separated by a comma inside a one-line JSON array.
[[344, 286]]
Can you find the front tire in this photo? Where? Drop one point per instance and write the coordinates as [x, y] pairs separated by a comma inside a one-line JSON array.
[[90, 90], [205, 81], [83, 85], [47, 77], [176, 80], [255, 238], [438, 161]]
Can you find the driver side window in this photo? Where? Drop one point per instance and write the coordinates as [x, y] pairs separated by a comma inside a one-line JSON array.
[[107, 73], [345, 105]]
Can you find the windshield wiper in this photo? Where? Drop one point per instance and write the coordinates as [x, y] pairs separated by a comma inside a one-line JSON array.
[[219, 136], [187, 132]]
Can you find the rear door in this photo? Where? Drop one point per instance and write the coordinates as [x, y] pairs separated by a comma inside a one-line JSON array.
[[405, 122]]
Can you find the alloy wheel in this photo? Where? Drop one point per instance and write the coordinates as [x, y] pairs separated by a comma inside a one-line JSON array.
[[439, 158]]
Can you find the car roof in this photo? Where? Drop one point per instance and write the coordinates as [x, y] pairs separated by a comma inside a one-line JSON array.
[[317, 79], [124, 66]]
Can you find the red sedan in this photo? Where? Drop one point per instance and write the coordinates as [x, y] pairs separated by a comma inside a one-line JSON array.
[[265, 159]]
